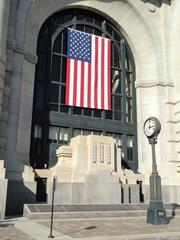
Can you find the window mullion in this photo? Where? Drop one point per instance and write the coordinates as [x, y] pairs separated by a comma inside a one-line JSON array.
[[123, 78]]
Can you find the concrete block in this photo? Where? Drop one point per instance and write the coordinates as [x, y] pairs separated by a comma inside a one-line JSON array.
[[134, 193], [125, 193]]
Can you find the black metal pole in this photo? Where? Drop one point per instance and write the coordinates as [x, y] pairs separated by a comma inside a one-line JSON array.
[[52, 209], [154, 165]]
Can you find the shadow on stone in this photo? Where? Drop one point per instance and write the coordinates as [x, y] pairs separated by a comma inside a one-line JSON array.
[[19, 193], [90, 227], [5, 225]]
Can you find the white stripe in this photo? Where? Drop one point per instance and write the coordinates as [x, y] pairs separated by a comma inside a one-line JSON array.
[[71, 82], [106, 73], [92, 72], [78, 90], [99, 104], [85, 84]]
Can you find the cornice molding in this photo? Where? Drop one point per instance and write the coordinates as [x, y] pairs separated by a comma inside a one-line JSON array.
[[19, 47], [174, 122], [153, 84]]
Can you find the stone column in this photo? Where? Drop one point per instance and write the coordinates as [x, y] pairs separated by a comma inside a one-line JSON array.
[[16, 54], [4, 16], [175, 43]]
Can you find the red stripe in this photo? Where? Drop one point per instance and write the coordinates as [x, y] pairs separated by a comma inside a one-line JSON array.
[[109, 75], [67, 81], [89, 86], [102, 75], [82, 85], [75, 84], [96, 74]]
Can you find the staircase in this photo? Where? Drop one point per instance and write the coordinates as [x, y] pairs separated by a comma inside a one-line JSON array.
[[43, 211]]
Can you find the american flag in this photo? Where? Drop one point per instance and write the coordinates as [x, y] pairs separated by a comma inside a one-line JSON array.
[[88, 75]]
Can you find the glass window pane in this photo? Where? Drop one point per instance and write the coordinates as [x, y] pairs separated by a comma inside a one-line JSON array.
[[80, 16], [77, 111], [98, 22], [54, 93], [77, 132], [53, 107], [129, 110], [128, 85], [116, 62], [64, 108], [56, 64], [63, 93], [127, 60], [89, 29], [130, 141], [116, 36], [86, 132], [68, 17], [96, 133], [109, 29], [88, 18], [53, 133], [97, 113], [37, 131], [108, 114], [87, 112], [80, 28], [117, 115], [58, 44], [64, 133], [64, 43], [63, 70], [117, 103], [130, 148], [116, 82]]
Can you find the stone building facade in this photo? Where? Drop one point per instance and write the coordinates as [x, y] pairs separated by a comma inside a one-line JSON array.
[[152, 32]]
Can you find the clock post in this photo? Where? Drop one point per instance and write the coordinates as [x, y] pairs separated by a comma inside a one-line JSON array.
[[156, 213]]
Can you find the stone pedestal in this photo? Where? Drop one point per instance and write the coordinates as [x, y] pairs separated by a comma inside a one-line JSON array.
[[87, 172]]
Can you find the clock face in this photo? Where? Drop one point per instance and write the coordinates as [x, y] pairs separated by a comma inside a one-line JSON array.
[[150, 127]]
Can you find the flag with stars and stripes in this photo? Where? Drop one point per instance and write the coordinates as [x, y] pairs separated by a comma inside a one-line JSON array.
[[88, 74]]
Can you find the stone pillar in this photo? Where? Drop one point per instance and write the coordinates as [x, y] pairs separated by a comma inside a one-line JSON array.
[[4, 15], [14, 159], [175, 43]]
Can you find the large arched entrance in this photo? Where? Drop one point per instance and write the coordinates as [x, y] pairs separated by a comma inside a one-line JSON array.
[[54, 123]]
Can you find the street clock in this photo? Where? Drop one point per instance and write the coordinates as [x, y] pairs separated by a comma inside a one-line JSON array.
[[152, 127]]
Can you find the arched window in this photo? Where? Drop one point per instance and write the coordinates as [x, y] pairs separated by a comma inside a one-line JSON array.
[[54, 123]]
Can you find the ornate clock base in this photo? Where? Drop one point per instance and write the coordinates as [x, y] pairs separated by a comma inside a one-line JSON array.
[[156, 214]]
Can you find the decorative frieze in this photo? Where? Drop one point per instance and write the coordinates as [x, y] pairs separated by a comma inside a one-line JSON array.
[[94, 152], [109, 153], [101, 153]]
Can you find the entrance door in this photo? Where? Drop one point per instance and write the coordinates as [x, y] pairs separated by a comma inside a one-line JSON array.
[[41, 195]]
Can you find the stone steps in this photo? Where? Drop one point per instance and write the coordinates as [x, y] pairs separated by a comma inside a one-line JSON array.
[[43, 211]]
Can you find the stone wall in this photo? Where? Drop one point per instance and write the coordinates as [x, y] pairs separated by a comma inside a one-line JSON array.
[[154, 39]]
